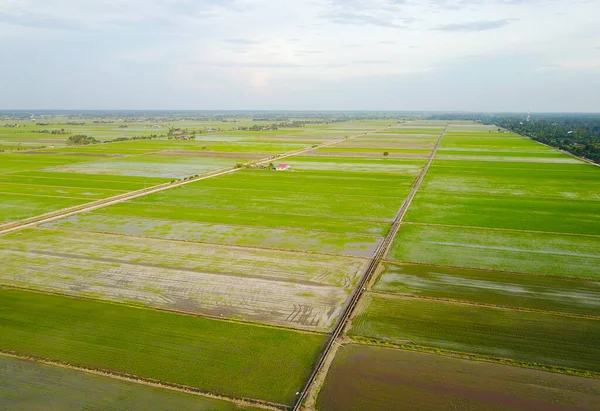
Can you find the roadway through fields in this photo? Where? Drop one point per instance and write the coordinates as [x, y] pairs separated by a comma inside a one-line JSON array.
[[67, 212], [52, 216], [317, 377]]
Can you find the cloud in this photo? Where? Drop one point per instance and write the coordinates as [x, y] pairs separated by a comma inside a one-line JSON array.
[[35, 20], [370, 61], [102, 14], [243, 41], [354, 18], [127, 52], [475, 25], [382, 13]]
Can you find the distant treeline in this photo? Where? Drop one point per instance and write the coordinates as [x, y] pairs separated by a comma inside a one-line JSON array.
[[81, 140], [579, 134], [150, 137], [61, 131]]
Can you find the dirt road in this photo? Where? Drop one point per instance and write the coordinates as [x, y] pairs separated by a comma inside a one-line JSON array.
[[311, 389], [67, 212]]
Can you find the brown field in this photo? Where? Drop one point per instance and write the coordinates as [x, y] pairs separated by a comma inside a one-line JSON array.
[[375, 378]]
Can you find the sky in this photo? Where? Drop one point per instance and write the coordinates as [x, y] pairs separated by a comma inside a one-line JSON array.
[[438, 55]]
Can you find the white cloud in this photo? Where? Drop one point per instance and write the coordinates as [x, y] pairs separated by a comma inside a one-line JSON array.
[[273, 50]]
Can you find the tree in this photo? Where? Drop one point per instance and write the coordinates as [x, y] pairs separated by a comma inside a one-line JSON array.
[[385, 154], [81, 140]]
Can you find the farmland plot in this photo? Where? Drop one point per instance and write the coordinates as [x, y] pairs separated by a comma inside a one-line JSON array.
[[33, 386], [273, 238], [496, 332], [288, 289], [526, 252], [358, 165], [216, 356], [259, 208], [491, 287], [212, 249], [150, 166], [27, 194], [497, 259], [379, 379]]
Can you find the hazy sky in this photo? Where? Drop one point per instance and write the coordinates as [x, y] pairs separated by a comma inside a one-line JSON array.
[[480, 55]]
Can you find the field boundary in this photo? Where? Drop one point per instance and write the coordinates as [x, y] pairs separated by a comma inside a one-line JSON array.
[[501, 229], [484, 305], [403, 262], [148, 382], [310, 390]]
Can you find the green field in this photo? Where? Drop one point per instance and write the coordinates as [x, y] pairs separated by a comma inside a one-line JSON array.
[[34, 386], [527, 252], [314, 211], [535, 214], [272, 238], [492, 287], [246, 218], [232, 284], [530, 337], [220, 357]]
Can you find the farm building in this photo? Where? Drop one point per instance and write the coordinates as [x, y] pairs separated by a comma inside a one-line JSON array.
[[282, 167]]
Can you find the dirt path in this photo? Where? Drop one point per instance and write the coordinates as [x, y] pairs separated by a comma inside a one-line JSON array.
[[307, 399], [67, 212]]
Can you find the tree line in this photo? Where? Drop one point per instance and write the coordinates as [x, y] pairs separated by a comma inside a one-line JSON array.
[[578, 134]]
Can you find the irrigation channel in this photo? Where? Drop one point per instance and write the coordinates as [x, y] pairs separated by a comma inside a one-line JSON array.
[[379, 254], [67, 212]]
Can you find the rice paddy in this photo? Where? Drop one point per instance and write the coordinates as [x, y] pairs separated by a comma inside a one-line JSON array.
[[232, 285], [496, 259]]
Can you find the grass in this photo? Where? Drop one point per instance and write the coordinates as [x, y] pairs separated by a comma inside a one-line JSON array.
[[149, 166], [357, 164], [57, 191], [316, 182], [536, 253], [14, 207], [32, 386], [523, 336], [379, 379], [245, 218], [80, 180], [491, 287], [215, 356], [276, 238], [577, 182], [509, 212], [245, 200]]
